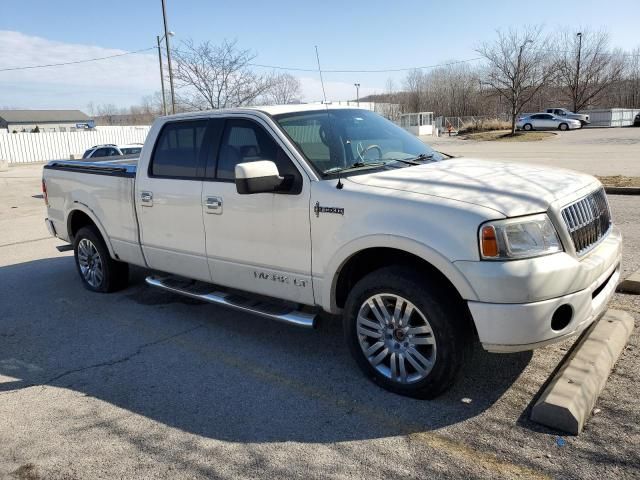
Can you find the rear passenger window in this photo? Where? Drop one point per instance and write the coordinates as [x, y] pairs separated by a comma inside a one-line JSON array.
[[245, 141], [177, 150], [101, 152]]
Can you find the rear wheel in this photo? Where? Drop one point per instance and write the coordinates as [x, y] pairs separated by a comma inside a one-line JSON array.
[[98, 271], [527, 126], [563, 126], [405, 333]]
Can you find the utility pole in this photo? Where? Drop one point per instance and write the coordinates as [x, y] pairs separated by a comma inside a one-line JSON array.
[[166, 40], [517, 89], [164, 98], [575, 95], [357, 85]]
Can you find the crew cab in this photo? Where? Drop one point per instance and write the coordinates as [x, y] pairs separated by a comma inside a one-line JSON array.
[[288, 211], [566, 114]]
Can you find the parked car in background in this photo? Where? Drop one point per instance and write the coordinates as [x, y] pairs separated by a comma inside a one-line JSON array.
[[287, 211], [111, 150], [636, 121], [564, 113], [546, 121]]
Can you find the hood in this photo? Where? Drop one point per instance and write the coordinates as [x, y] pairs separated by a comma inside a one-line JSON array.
[[510, 188]]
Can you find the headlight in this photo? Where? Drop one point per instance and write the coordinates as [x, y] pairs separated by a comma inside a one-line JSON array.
[[521, 237]]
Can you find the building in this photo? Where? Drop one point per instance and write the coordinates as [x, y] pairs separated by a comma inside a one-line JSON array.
[[420, 123], [45, 120]]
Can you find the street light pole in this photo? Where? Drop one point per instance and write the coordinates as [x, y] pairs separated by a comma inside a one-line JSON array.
[[166, 39], [357, 85], [164, 98], [579, 35], [517, 85]]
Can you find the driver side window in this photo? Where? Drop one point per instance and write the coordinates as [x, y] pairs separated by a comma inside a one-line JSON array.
[[245, 141]]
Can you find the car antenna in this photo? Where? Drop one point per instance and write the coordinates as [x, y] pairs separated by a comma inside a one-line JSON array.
[[340, 185]]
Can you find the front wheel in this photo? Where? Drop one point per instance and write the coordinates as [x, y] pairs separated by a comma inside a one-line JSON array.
[[527, 126], [98, 271], [405, 333], [563, 127]]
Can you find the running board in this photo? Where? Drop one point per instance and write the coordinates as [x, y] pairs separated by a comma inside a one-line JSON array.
[[262, 308]]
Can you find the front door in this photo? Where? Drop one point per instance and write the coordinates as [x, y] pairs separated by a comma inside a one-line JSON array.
[[168, 197], [260, 242]]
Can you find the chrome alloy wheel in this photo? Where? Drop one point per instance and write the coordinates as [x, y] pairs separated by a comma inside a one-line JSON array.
[[396, 338], [90, 263]]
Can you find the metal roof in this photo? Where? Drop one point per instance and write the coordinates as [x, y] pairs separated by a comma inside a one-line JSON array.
[[42, 116]]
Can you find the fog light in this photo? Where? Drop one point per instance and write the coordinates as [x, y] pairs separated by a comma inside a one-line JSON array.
[[561, 317]]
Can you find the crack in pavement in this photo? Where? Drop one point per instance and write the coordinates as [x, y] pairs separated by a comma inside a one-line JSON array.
[[107, 363]]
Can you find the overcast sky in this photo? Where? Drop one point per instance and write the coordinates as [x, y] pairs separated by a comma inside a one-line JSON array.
[[355, 35]]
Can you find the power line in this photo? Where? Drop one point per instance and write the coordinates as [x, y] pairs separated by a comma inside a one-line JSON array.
[[76, 61], [296, 69], [382, 70]]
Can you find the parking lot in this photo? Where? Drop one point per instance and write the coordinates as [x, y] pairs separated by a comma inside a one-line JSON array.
[[142, 383], [598, 151]]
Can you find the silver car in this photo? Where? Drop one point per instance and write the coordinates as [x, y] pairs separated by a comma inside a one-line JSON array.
[[546, 121]]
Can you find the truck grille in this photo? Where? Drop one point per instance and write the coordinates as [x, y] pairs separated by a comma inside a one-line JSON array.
[[588, 220]]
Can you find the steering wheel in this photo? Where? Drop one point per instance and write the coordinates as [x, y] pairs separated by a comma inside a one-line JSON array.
[[362, 150]]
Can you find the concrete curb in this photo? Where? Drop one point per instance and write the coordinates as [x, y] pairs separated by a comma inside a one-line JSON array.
[[569, 398], [630, 284], [622, 190]]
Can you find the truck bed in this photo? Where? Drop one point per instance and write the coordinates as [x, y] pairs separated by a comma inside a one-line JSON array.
[[124, 166], [104, 191]]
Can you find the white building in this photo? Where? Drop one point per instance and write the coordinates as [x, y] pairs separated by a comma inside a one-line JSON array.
[[420, 123]]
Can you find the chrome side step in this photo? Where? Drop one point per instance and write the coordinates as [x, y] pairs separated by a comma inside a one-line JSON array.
[[268, 310]]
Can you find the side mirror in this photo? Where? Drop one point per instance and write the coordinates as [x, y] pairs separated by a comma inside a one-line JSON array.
[[258, 177]]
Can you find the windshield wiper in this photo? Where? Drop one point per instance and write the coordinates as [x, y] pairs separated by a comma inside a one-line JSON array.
[[413, 160], [355, 166], [422, 157]]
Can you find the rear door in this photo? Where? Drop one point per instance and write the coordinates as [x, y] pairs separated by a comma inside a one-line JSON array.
[[260, 242], [168, 197]]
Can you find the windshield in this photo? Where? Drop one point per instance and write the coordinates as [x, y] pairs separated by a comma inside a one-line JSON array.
[[131, 150], [337, 139]]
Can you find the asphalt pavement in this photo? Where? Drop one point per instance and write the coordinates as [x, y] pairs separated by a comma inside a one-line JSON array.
[[145, 384], [598, 151]]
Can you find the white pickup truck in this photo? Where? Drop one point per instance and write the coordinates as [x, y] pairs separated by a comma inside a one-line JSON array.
[[286, 211]]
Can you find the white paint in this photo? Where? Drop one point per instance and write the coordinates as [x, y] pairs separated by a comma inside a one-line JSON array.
[[265, 243]]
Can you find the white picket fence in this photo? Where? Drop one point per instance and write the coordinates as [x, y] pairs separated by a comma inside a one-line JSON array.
[[45, 146]]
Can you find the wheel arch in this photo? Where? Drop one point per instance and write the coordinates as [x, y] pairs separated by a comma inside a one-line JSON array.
[[364, 255], [81, 215]]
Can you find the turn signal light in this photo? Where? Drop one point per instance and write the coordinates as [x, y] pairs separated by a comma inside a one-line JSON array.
[[489, 242]]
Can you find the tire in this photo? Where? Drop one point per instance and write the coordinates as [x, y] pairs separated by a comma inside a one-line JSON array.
[[527, 127], [436, 331], [98, 271], [563, 127]]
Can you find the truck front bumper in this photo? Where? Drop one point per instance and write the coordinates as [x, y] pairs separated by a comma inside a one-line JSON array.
[[517, 326]]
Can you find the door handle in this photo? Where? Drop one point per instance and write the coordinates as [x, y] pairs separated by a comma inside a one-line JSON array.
[[214, 205], [146, 198]]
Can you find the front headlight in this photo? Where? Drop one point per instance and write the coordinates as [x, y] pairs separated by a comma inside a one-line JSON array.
[[521, 237]]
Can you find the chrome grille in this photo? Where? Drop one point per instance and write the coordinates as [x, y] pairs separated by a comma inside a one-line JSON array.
[[588, 220]]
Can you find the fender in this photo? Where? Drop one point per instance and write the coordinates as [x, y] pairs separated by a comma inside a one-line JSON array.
[[79, 206], [327, 287]]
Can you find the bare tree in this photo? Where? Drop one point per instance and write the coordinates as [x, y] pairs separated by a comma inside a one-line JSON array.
[[633, 78], [217, 76], [586, 67], [518, 67], [285, 89], [414, 85]]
